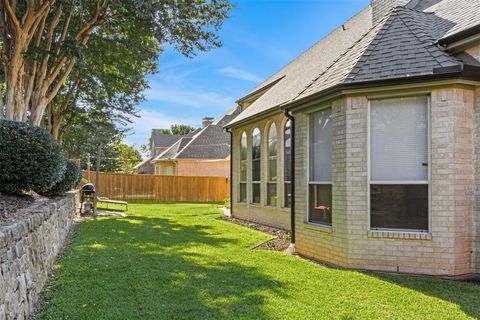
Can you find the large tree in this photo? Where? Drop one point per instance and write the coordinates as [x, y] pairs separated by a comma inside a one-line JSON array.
[[88, 131], [177, 129], [42, 41]]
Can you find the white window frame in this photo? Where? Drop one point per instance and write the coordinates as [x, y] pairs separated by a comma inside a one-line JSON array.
[[428, 182], [240, 181], [255, 182], [307, 216], [270, 182]]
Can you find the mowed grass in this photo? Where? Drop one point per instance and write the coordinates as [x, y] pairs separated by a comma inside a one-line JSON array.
[[180, 261]]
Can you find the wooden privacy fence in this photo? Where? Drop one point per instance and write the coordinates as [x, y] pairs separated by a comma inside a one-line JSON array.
[[161, 188]]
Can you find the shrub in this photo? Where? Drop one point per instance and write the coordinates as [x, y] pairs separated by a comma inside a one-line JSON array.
[[30, 159], [71, 178]]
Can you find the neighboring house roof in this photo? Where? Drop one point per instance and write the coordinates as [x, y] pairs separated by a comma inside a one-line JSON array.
[[145, 167], [160, 140], [210, 142], [171, 152], [404, 44]]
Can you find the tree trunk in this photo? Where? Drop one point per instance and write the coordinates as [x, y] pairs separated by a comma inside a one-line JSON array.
[[31, 84], [54, 122]]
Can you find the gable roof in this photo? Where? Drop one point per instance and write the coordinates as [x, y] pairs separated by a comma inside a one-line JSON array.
[[402, 45], [210, 142], [145, 167], [299, 73], [160, 140]]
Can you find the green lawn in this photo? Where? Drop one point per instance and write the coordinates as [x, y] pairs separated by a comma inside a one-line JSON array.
[[179, 261]]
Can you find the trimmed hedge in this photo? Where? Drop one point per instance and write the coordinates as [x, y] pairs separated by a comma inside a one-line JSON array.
[[30, 158], [71, 178]]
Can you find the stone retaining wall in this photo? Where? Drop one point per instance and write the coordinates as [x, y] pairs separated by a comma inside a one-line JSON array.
[[28, 249]]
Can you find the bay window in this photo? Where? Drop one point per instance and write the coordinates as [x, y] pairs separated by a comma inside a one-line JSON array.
[[320, 167], [272, 166], [287, 174], [256, 166], [242, 197], [399, 157]]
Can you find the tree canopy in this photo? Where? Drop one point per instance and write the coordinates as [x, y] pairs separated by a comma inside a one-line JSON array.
[[47, 46], [178, 129]]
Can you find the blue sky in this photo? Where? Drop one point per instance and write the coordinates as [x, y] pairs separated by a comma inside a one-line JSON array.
[[259, 38]]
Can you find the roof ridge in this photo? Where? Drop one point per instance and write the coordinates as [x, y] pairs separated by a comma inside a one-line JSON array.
[[265, 83], [421, 31], [166, 150], [371, 48], [377, 25], [190, 142]]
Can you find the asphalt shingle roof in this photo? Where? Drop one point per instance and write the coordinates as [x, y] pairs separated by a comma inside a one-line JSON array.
[[398, 46], [163, 140], [298, 74], [211, 142], [403, 44]]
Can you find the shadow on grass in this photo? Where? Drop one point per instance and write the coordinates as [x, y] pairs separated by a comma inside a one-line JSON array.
[[155, 268], [461, 293]]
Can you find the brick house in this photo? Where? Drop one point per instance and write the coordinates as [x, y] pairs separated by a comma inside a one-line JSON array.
[[367, 146], [158, 143], [205, 152]]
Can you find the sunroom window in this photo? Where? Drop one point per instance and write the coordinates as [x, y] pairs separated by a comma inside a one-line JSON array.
[[399, 159], [242, 197], [320, 185], [256, 166], [272, 166]]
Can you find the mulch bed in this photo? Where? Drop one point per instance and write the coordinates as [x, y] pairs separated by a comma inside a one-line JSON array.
[[11, 205], [279, 243]]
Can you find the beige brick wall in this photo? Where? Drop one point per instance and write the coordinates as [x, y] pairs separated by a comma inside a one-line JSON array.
[[322, 243], [477, 180], [204, 168], [448, 249], [194, 168], [452, 248], [273, 216]]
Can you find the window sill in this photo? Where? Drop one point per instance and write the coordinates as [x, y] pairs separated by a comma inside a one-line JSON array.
[[405, 235], [318, 227]]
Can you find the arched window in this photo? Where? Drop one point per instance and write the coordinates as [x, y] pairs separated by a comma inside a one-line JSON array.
[[256, 165], [272, 166], [242, 197], [287, 169]]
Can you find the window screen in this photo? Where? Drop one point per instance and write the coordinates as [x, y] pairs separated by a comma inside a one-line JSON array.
[[399, 164], [320, 186]]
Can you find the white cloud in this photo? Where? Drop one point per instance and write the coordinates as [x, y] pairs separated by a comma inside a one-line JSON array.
[[188, 97], [240, 74], [149, 119]]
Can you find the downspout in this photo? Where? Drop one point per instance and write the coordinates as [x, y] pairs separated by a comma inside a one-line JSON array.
[[231, 170], [291, 247]]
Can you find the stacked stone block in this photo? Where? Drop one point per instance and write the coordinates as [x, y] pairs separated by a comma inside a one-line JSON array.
[[28, 249]]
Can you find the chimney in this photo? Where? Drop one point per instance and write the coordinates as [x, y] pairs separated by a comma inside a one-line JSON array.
[[207, 121], [381, 7]]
